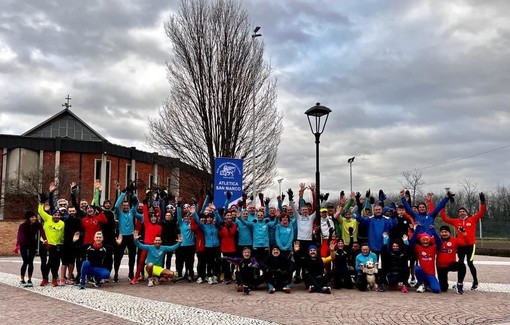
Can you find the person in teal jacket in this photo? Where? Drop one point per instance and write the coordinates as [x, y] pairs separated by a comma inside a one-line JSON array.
[[212, 242], [155, 255], [260, 228], [285, 233], [126, 216], [244, 233]]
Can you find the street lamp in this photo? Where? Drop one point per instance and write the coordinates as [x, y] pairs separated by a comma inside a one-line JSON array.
[[350, 161], [280, 186], [253, 36], [319, 116]]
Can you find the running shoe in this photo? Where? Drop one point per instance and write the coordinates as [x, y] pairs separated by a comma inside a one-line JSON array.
[[22, 283], [150, 283], [460, 289], [310, 289], [326, 290], [44, 282], [210, 280], [134, 281], [246, 290], [287, 289], [421, 288], [54, 282], [215, 279], [29, 284], [199, 280]]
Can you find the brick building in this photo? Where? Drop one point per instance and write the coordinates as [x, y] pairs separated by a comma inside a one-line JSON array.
[[64, 148]]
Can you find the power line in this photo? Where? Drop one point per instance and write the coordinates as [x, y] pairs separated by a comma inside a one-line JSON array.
[[440, 164]]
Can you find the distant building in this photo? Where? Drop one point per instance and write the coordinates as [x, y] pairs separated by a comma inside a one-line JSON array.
[[66, 149]]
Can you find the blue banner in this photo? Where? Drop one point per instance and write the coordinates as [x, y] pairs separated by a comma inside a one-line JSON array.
[[228, 177]]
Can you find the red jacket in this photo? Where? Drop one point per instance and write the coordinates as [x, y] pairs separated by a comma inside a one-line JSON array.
[[151, 229], [426, 256], [199, 236], [91, 225], [469, 224], [448, 253], [228, 238]]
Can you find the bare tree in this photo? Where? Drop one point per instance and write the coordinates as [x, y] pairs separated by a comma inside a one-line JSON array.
[[470, 201], [413, 182], [217, 75]]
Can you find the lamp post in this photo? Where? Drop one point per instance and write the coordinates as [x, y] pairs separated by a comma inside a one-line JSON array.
[[350, 161], [253, 36], [319, 116], [280, 186]]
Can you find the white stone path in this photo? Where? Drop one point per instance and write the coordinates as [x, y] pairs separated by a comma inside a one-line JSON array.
[[134, 309]]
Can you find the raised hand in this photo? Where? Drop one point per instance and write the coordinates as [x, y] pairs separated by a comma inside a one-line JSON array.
[[52, 187]]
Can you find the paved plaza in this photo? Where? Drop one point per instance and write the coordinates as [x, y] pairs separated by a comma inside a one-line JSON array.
[[191, 303]]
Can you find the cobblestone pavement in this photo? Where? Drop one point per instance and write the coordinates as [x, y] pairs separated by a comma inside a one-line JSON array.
[[191, 303]]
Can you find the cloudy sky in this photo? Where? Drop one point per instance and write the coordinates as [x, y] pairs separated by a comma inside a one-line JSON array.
[[411, 84]]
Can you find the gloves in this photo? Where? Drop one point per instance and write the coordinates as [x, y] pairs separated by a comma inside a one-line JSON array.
[[261, 197], [267, 200], [74, 189], [229, 195], [482, 197], [342, 194], [245, 196], [43, 197], [450, 196], [382, 196], [351, 231], [367, 194], [131, 187], [291, 194], [283, 197], [16, 249], [251, 197], [371, 200], [326, 197]]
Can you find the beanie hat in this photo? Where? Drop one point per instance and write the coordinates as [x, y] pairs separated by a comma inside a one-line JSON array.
[[445, 228], [312, 247], [424, 236], [29, 214]]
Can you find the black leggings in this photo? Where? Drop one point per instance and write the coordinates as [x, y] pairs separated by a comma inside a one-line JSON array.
[[27, 254], [53, 262], [129, 242], [442, 274], [185, 256], [468, 252], [212, 261]]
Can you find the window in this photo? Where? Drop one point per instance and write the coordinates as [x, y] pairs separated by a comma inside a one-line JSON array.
[[106, 185]]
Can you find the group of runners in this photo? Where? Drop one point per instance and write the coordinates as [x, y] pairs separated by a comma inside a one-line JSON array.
[[363, 242]]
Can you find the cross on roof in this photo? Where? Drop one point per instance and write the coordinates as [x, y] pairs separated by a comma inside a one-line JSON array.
[[67, 105]]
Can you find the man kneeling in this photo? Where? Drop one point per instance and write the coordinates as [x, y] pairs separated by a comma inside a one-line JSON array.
[[154, 261]]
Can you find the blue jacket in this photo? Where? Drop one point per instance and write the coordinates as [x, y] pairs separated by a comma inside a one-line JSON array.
[[376, 227], [210, 230], [285, 236], [260, 231], [188, 236], [126, 219], [244, 233], [425, 219]]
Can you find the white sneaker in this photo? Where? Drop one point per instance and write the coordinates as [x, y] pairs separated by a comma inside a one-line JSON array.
[[150, 283], [421, 288], [156, 281], [209, 280], [412, 283], [199, 280], [215, 279]]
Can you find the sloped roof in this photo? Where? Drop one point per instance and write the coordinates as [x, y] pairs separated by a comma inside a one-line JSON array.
[[65, 124]]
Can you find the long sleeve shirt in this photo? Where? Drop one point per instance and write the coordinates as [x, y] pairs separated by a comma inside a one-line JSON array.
[[155, 255], [126, 219], [54, 230]]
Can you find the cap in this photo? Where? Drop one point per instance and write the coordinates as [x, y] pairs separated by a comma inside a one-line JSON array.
[[324, 210], [170, 207]]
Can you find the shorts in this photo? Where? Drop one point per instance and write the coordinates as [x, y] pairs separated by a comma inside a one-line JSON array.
[[156, 270]]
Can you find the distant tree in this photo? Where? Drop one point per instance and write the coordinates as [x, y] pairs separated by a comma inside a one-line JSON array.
[[413, 182], [216, 75]]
